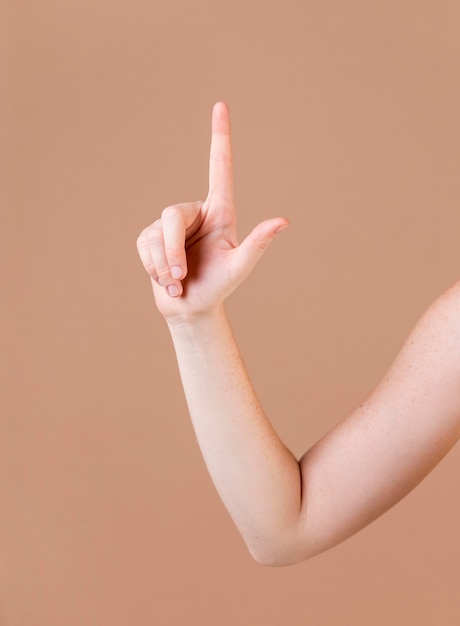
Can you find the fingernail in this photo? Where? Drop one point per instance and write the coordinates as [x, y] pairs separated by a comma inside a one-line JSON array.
[[278, 230], [173, 290], [176, 271]]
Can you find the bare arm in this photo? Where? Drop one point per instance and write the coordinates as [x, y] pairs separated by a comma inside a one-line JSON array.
[[288, 510], [392, 440]]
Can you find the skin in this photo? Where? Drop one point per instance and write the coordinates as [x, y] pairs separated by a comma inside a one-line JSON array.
[[289, 509]]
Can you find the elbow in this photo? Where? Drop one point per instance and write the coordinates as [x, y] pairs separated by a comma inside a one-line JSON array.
[[273, 562], [276, 556], [282, 553]]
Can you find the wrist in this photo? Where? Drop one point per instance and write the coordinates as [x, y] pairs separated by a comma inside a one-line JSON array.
[[191, 323]]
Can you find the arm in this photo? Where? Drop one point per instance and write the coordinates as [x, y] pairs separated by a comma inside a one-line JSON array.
[[289, 510], [256, 476]]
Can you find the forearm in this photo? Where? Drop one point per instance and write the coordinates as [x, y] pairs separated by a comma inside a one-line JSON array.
[[256, 476]]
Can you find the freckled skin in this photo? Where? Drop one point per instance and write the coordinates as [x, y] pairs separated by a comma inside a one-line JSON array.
[[286, 509]]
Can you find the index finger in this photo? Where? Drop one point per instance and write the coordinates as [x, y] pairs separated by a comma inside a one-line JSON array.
[[220, 158]]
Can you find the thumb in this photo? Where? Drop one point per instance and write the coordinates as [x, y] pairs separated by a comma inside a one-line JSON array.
[[252, 248]]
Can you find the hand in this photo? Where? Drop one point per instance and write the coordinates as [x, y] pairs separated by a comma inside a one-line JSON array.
[[191, 252]]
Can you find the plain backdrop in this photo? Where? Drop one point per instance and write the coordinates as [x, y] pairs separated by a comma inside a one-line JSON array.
[[345, 120]]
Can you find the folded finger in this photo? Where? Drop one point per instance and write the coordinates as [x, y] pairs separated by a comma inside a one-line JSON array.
[[143, 250], [161, 270], [175, 221]]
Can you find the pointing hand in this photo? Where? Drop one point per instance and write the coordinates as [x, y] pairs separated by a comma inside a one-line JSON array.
[[191, 252]]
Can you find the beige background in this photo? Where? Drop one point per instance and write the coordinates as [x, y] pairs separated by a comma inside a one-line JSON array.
[[345, 120]]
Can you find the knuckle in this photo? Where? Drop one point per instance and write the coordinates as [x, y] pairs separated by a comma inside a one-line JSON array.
[[155, 235], [144, 233], [173, 251], [163, 276], [142, 237], [151, 269], [221, 157], [171, 212], [262, 245]]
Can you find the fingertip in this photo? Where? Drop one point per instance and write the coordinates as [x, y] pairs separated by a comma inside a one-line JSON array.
[[274, 225], [176, 272], [280, 228], [174, 290], [221, 118], [220, 107]]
